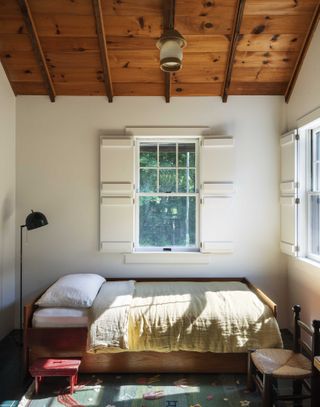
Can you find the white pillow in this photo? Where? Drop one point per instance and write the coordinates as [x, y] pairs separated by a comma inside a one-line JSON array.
[[72, 290]]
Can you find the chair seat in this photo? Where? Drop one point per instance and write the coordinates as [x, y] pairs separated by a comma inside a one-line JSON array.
[[282, 363]]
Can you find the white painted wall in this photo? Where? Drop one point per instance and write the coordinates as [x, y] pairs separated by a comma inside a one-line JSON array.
[[58, 173], [303, 277], [7, 205]]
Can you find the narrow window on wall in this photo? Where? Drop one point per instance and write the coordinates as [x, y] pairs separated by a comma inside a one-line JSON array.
[[313, 194], [167, 198]]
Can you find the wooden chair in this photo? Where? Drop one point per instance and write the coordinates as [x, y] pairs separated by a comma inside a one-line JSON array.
[[265, 366]]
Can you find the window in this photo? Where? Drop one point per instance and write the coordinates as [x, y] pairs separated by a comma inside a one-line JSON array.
[[162, 193], [313, 194], [300, 192], [167, 195]]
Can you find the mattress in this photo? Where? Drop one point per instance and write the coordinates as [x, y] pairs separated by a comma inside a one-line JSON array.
[[60, 318]]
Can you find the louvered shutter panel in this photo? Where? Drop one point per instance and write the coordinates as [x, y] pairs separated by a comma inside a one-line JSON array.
[[289, 199], [116, 194], [216, 194]]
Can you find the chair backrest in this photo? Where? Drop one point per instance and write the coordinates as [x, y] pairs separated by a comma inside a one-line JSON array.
[[300, 345]]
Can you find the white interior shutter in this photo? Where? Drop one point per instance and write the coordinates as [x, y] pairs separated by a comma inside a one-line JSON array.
[[116, 194], [216, 194], [289, 199]]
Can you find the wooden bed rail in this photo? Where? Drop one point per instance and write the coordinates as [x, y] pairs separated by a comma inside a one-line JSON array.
[[262, 296]]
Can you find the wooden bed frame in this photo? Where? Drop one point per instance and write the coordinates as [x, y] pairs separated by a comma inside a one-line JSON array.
[[71, 342]]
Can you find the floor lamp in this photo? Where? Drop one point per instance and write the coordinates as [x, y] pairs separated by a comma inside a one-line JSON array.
[[34, 220]]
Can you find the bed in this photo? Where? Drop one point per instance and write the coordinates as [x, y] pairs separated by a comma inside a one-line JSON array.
[[147, 349]]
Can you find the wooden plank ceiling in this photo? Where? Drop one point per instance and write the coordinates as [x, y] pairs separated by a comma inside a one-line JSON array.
[[234, 47]]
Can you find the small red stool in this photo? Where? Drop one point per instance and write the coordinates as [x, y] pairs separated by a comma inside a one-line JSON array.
[[55, 367]]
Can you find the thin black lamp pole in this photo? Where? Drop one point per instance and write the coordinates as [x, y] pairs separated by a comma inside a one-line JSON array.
[[21, 305], [34, 220]]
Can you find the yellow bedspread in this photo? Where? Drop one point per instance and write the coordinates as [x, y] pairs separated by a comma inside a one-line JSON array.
[[199, 316]]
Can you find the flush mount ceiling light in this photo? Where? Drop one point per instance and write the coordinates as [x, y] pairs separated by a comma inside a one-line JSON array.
[[171, 44]]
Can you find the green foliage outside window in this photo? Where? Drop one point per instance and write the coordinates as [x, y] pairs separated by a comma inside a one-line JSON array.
[[170, 220], [167, 221]]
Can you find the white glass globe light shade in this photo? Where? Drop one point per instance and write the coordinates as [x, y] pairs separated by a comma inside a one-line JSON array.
[[171, 55]]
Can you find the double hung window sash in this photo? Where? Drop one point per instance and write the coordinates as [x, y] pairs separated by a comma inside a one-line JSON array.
[[314, 196], [167, 196]]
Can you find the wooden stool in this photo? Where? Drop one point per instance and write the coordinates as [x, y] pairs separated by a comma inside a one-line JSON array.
[[55, 367]]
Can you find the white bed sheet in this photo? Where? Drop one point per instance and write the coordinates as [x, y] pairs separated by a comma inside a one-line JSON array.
[[60, 318]]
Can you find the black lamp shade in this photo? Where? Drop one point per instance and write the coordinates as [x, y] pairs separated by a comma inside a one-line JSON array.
[[35, 220]]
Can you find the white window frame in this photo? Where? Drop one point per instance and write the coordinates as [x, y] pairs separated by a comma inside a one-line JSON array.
[[306, 125], [196, 194], [310, 187]]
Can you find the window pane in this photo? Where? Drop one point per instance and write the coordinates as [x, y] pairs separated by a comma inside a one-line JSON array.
[[167, 221], [317, 146], [167, 181], [314, 224], [167, 155], [148, 155], [315, 161], [148, 180], [186, 155], [316, 177], [186, 180]]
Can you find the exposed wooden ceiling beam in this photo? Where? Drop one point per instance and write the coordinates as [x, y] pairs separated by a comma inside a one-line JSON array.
[[168, 24], [103, 48], [303, 52], [232, 48], [37, 49]]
